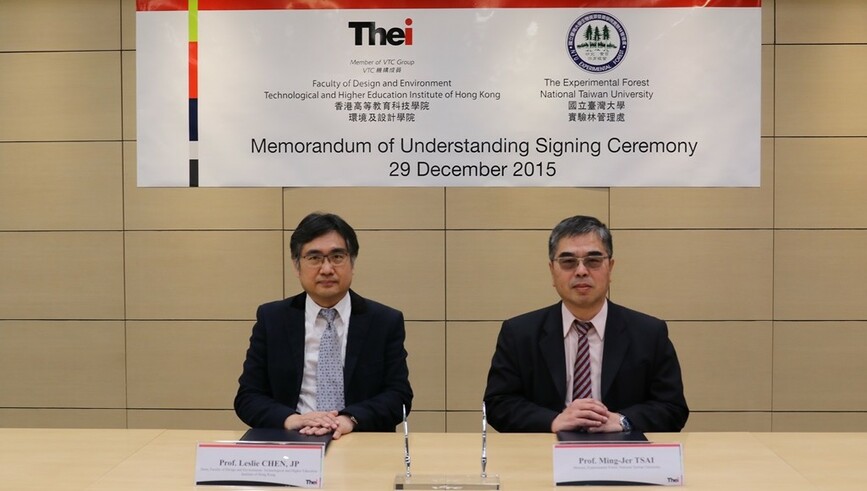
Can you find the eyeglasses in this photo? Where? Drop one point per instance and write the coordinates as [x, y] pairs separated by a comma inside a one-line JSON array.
[[569, 263], [317, 260]]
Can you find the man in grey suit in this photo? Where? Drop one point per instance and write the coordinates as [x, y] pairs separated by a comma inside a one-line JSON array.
[[326, 360], [585, 363]]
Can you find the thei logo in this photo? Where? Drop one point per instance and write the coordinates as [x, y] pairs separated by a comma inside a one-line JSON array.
[[367, 33]]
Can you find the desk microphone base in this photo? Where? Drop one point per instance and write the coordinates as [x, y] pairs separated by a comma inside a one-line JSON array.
[[443, 482]]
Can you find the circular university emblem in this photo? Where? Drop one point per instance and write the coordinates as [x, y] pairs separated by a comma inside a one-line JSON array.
[[596, 42]]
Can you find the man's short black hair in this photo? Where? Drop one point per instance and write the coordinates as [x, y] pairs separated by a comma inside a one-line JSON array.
[[580, 225], [318, 224]]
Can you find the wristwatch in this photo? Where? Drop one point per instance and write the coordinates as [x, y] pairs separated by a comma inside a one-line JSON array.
[[351, 418], [625, 424]]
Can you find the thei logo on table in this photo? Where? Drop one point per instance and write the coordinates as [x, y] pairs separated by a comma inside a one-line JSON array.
[[366, 33]]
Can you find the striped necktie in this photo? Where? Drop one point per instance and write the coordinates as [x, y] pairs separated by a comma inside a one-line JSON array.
[[581, 376]]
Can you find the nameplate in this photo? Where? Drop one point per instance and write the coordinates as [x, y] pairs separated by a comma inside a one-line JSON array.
[[260, 464], [618, 464]]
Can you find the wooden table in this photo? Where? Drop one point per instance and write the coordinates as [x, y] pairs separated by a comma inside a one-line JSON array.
[[164, 460]]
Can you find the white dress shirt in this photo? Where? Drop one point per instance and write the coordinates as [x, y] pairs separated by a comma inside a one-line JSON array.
[[314, 326]]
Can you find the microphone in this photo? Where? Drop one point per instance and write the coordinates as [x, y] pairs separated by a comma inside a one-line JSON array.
[[484, 441], [406, 458]]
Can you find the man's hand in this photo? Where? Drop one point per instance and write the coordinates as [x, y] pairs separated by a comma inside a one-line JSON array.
[[313, 423], [320, 423], [612, 426], [344, 426], [588, 414]]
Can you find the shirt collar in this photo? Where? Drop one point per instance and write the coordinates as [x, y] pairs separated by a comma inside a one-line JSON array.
[[598, 320], [343, 308]]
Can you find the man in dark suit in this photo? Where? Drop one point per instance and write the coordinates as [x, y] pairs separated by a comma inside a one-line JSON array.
[[326, 360], [585, 363]]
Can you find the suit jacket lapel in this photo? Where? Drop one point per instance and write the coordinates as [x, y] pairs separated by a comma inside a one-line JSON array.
[[359, 324], [295, 332], [614, 349], [551, 347]]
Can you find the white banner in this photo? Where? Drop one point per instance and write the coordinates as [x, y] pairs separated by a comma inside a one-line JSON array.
[[666, 94]]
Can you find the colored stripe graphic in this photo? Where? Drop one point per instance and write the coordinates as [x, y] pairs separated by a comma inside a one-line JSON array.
[[142, 5], [193, 76], [194, 70], [156, 5]]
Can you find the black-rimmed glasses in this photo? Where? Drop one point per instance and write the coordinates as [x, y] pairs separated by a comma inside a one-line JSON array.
[[569, 263], [316, 260]]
